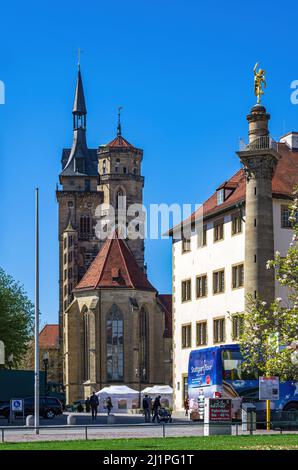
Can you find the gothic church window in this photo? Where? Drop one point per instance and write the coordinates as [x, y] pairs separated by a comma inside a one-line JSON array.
[[115, 347], [86, 364]]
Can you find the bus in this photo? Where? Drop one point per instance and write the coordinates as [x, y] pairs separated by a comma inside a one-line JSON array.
[[216, 372]]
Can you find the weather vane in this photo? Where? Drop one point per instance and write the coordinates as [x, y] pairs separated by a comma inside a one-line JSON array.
[[259, 81]]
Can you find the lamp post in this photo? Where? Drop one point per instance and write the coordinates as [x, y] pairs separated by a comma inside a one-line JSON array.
[[45, 360]]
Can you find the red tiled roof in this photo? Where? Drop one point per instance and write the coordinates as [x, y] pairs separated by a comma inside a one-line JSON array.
[[49, 337], [167, 301], [119, 141], [283, 182], [114, 266]]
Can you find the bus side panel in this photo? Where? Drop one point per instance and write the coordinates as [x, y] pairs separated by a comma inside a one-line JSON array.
[[204, 376]]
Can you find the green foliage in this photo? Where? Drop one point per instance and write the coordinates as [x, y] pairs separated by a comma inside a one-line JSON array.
[[16, 318], [268, 330]]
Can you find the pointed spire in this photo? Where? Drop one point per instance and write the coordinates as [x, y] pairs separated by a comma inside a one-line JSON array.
[[79, 106], [69, 227], [119, 121]]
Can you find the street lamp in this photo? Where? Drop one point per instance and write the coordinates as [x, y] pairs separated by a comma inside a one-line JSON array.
[[45, 360], [10, 361]]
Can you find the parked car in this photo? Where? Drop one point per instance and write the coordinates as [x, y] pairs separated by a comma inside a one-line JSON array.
[[49, 407]]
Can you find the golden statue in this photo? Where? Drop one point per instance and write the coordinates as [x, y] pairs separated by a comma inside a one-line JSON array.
[[259, 80]]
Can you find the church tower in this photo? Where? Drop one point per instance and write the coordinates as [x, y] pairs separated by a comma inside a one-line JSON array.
[[78, 199], [121, 182], [114, 326]]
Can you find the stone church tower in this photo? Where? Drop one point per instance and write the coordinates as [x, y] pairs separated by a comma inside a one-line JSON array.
[[114, 326]]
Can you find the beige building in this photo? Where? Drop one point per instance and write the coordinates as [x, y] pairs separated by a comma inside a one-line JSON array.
[[49, 349], [114, 326], [243, 223]]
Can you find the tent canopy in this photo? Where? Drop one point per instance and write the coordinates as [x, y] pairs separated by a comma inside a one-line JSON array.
[[158, 390], [119, 390]]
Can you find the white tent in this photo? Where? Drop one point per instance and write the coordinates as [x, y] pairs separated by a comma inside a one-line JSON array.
[[123, 398], [165, 391]]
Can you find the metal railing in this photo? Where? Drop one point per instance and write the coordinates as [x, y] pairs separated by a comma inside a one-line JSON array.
[[84, 430], [260, 143]]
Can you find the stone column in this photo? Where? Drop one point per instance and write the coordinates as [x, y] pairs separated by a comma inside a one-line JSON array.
[[259, 159]]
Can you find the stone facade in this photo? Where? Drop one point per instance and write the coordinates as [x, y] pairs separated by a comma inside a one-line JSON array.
[[86, 361]]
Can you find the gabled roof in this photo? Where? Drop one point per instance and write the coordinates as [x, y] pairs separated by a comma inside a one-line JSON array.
[[49, 337], [114, 266], [119, 142], [167, 300], [283, 182]]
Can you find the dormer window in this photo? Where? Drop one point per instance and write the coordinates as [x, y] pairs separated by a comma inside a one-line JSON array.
[[104, 169], [220, 196]]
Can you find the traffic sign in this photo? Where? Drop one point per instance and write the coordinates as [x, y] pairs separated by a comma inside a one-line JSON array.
[[17, 405]]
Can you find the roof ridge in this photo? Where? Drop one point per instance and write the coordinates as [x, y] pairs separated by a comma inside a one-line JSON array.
[[105, 260], [124, 260]]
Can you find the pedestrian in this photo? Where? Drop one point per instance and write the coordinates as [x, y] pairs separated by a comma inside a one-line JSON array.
[[156, 407], [109, 405], [146, 408], [186, 405], [94, 402], [87, 405]]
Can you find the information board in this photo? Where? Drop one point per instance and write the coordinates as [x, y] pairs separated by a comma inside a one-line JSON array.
[[220, 409], [268, 388]]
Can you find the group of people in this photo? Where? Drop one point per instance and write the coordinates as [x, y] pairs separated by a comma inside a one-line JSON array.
[[93, 403], [151, 407]]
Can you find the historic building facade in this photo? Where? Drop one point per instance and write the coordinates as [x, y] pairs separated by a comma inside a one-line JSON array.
[[243, 223], [114, 326]]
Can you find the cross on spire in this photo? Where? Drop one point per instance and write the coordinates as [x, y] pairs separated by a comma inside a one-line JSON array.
[[79, 57]]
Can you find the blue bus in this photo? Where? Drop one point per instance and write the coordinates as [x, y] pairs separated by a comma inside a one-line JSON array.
[[216, 372]]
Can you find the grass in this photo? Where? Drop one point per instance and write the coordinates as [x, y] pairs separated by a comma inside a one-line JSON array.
[[260, 442]]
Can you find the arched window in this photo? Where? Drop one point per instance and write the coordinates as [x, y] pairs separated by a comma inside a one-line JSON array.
[[85, 227], [117, 165], [115, 348], [144, 337], [86, 345], [120, 200]]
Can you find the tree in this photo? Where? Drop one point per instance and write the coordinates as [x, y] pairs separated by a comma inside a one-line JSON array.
[[269, 330], [16, 317]]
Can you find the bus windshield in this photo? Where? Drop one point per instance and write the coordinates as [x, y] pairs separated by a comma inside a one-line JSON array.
[[232, 366]]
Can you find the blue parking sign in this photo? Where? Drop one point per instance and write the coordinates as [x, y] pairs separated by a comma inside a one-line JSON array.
[[17, 405]]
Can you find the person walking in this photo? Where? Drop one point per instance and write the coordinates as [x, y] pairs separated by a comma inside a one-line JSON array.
[[186, 405], [156, 406], [109, 405], [87, 405], [146, 408], [94, 402]]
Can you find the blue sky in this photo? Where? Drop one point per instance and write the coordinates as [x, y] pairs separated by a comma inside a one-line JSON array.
[[182, 70]]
